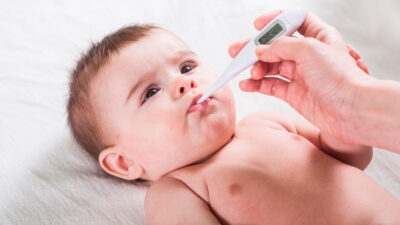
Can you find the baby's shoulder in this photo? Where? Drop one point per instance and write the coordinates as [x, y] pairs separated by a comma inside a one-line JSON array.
[[164, 183], [164, 187], [267, 119], [169, 196]]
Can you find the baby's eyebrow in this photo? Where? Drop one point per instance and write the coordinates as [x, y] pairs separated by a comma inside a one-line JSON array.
[[181, 54]]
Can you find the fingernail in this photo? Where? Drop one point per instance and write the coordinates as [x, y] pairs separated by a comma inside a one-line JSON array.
[[259, 51]]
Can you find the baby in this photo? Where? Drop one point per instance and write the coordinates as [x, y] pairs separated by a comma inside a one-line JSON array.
[[133, 107]]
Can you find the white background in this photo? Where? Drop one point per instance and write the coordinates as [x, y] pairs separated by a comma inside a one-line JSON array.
[[45, 178]]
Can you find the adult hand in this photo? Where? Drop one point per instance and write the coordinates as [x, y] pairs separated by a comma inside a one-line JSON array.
[[320, 70]]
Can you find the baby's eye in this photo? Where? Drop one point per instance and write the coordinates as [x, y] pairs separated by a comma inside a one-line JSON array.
[[149, 93], [187, 67]]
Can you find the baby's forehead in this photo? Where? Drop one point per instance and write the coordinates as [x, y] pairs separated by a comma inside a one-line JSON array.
[[158, 44], [159, 38], [156, 49]]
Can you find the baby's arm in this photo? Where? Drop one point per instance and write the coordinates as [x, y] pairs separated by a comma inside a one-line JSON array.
[[170, 201], [355, 155]]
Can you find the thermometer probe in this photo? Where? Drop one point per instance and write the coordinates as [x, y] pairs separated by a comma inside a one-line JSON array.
[[284, 24]]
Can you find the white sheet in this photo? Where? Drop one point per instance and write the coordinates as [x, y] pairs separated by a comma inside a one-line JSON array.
[[45, 178]]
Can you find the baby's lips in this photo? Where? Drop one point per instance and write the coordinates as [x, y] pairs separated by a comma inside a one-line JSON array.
[[194, 106], [195, 99]]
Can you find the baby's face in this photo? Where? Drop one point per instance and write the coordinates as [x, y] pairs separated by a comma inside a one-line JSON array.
[[145, 98]]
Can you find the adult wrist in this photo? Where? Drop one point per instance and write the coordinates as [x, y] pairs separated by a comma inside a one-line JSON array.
[[375, 113]]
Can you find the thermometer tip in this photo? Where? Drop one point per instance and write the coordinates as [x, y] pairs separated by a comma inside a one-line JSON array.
[[202, 99]]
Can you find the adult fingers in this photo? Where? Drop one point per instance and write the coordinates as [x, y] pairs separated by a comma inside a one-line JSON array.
[[353, 52], [284, 69], [315, 27], [269, 86], [283, 48], [261, 21], [360, 63], [235, 48], [357, 57]]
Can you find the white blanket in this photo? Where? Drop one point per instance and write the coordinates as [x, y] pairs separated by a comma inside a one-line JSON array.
[[45, 178]]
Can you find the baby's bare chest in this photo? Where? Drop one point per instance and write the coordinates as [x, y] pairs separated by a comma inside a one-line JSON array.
[[248, 194], [243, 194], [249, 183]]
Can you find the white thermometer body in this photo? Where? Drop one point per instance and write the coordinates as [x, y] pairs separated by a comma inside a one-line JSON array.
[[285, 24]]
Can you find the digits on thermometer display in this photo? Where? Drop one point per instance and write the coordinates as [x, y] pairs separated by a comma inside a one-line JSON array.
[[270, 34], [285, 24]]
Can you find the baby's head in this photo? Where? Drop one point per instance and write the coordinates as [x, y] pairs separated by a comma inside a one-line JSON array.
[[132, 104]]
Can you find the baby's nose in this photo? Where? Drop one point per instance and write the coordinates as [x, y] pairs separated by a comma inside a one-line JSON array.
[[183, 85]]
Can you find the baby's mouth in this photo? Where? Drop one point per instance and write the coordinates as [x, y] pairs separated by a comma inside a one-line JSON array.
[[194, 106]]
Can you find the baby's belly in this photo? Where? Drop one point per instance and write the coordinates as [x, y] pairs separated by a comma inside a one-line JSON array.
[[314, 190]]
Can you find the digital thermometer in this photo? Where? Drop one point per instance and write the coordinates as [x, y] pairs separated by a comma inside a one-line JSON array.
[[285, 24]]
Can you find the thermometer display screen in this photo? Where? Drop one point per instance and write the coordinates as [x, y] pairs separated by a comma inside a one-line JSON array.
[[270, 34]]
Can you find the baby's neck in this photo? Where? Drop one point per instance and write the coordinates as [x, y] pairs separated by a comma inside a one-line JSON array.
[[212, 154]]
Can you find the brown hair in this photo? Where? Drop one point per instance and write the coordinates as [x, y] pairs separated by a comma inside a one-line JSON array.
[[81, 116]]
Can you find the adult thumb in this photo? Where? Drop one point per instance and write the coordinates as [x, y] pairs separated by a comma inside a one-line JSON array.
[[282, 49]]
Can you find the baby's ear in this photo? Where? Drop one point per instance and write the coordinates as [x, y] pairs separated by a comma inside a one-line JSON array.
[[116, 164]]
